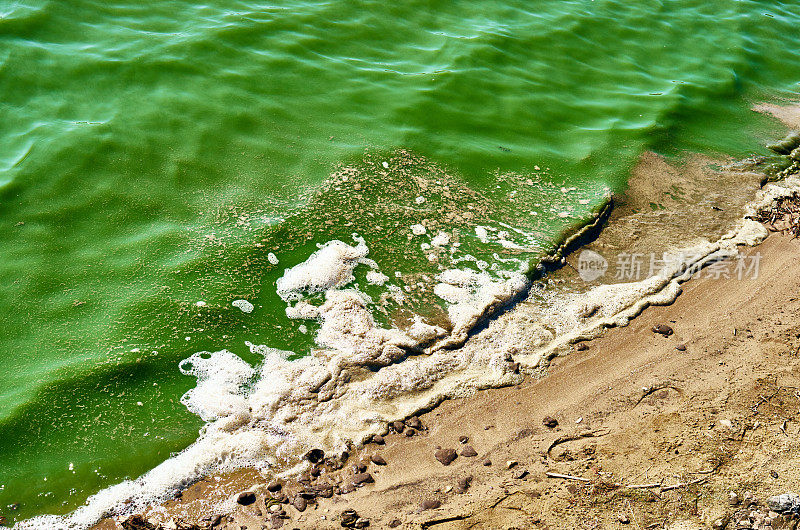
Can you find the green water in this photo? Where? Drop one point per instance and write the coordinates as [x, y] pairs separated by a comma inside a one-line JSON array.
[[153, 153]]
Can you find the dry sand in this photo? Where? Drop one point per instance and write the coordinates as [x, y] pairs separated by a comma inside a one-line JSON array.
[[719, 417]]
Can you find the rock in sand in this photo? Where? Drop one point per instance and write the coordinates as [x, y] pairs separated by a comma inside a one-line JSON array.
[[445, 456]]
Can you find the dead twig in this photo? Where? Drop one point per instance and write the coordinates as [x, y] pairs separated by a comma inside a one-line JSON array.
[[684, 484], [567, 477], [572, 437]]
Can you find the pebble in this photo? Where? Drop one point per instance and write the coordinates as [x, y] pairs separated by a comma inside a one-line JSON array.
[[445, 456], [410, 433], [398, 426], [662, 329], [315, 456], [623, 518], [550, 422], [300, 503], [463, 439], [414, 423], [487, 462], [511, 463], [272, 487], [349, 518], [395, 523], [430, 504], [787, 502], [463, 484], [582, 346], [246, 498], [469, 451], [378, 460], [681, 347], [520, 473], [378, 439], [359, 468], [733, 498], [344, 489], [359, 479]]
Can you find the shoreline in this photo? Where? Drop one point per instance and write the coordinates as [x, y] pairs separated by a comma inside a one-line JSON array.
[[195, 503], [631, 409], [611, 306]]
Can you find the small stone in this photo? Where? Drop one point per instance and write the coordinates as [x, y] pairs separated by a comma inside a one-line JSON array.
[[272, 487], [378, 439], [550, 422], [378, 460], [276, 522], [445, 456], [274, 508], [315, 456], [787, 502], [681, 347], [324, 490], [361, 523], [349, 518], [623, 518], [414, 423], [395, 523], [773, 473], [346, 488], [487, 462], [463, 484], [469, 451], [398, 426], [662, 329], [582, 346], [410, 433], [430, 504], [359, 479], [520, 473], [511, 463], [300, 504], [246, 498], [463, 439], [733, 498]]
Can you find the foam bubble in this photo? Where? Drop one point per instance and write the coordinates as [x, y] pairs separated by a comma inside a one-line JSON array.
[[244, 305], [328, 268]]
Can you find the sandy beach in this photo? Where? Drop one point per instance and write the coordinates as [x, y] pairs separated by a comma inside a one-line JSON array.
[[656, 431]]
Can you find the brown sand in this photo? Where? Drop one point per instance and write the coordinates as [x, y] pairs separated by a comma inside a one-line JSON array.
[[721, 416]]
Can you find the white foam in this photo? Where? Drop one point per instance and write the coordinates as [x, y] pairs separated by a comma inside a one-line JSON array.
[[328, 268], [442, 239], [376, 278], [418, 230], [244, 305]]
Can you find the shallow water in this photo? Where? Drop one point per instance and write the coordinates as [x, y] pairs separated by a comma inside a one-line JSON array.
[[152, 155]]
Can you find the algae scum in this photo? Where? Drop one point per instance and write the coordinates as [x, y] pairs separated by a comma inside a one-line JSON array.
[[160, 160]]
